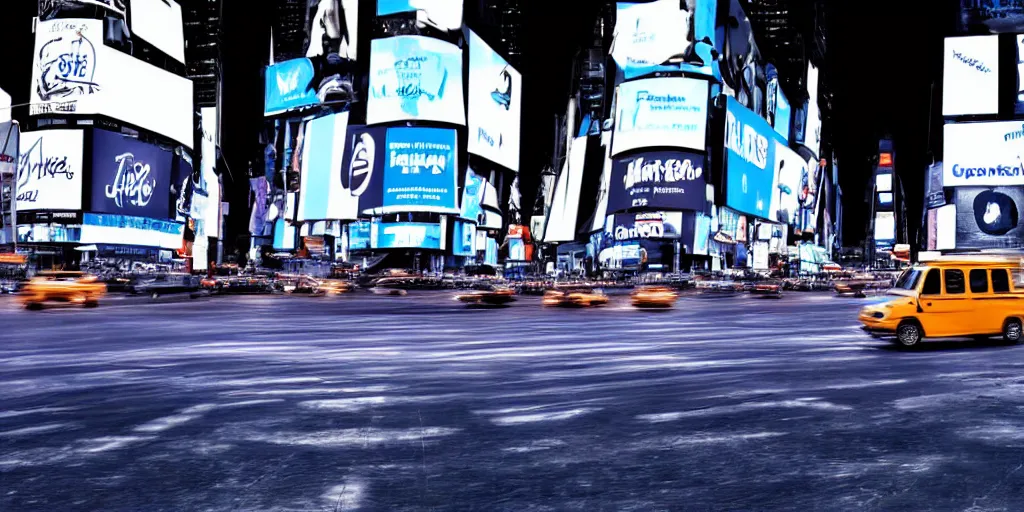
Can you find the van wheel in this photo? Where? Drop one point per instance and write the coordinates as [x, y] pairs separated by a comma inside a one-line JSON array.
[[1012, 330], [908, 334]]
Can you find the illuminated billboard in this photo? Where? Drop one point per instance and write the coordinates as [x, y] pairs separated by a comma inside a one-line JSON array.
[[986, 154], [750, 162], [50, 170], [970, 76], [288, 86], [421, 170], [653, 112], [130, 177], [495, 105], [415, 78]]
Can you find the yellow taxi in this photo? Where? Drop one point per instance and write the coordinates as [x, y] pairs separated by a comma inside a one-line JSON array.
[[654, 297], [952, 297], [64, 287], [574, 297]]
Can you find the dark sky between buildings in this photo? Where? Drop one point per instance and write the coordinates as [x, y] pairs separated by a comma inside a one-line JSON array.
[[882, 61]]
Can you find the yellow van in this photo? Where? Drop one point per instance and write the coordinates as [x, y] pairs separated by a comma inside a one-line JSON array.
[[952, 297]]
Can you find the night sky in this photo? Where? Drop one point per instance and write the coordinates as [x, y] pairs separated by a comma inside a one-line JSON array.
[[881, 62]]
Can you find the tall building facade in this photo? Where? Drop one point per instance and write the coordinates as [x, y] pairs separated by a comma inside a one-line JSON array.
[[203, 36]]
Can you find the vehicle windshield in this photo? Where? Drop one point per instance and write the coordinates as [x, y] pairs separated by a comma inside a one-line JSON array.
[[908, 281]]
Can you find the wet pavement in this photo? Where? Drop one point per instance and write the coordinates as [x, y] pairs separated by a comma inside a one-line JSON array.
[[369, 402]]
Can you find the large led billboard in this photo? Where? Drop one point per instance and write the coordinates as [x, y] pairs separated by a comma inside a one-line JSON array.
[[812, 129], [989, 217], [73, 73], [130, 177], [406, 235], [783, 114], [288, 87], [495, 105], [472, 197], [415, 78], [750, 161], [983, 153], [463, 238], [421, 170], [159, 23], [362, 172], [658, 179], [565, 201], [885, 227], [442, 14], [323, 194], [130, 230], [970, 76], [659, 36], [789, 172], [665, 112], [50, 170]]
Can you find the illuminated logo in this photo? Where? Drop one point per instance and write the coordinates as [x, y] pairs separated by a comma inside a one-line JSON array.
[[744, 141], [360, 169], [35, 166], [287, 83], [503, 96], [67, 64], [671, 170], [132, 182]]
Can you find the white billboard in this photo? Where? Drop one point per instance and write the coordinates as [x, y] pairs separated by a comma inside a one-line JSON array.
[[985, 154], [885, 226], [209, 211], [495, 105], [970, 76], [50, 171], [657, 112], [74, 73], [159, 23], [561, 224], [415, 78], [812, 130]]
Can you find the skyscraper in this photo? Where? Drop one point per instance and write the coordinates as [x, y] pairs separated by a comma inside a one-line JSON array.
[[203, 30]]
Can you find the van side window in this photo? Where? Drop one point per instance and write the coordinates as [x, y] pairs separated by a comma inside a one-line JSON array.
[[1000, 280], [954, 281], [979, 280], [932, 283]]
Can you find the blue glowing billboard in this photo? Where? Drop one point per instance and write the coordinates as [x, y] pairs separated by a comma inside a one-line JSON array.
[[420, 171], [472, 196], [648, 37], [406, 235], [415, 78], [750, 161], [463, 239], [288, 86], [359, 235], [130, 177]]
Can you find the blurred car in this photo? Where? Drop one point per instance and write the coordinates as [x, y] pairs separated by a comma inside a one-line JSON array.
[[162, 284], [64, 287], [494, 297], [334, 287], [300, 285], [574, 298], [654, 297], [389, 291], [773, 290]]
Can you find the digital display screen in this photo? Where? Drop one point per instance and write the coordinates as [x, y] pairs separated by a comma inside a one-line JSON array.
[[415, 78], [970, 76], [495, 105], [654, 112]]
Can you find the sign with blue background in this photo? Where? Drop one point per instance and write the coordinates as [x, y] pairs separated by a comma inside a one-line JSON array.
[[669, 112], [406, 235], [472, 195], [463, 239], [388, 7], [783, 114], [130, 177], [287, 86], [750, 161], [359, 235], [420, 170], [415, 78]]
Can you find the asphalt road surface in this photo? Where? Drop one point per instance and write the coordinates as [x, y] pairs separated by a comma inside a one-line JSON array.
[[416, 403]]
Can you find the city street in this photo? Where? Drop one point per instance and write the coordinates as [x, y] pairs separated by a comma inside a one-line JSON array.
[[366, 402]]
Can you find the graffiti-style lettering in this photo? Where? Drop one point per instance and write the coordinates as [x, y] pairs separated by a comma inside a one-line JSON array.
[[132, 181]]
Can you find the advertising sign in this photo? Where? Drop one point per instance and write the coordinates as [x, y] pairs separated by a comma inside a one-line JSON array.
[[472, 196], [885, 227], [657, 112], [989, 218], [991, 17], [1019, 102], [750, 161], [934, 195], [946, 222], [812, 130], [406, 235], [640, 226], [986, 154], [73, 73], [783, 114], [560, 225], [495, 105], [443, 14], [362, 172], [129, 230], [789, 170], [159, 23], [658, 179], [883, 182], [50, 171], [359, 235], [970, 76], [323, 193], [421, 171], [415, 78], [647, 35], [130, 177], [463, 239], [288, 86]]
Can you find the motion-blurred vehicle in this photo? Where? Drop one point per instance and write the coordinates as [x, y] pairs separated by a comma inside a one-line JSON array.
[[498, 296], [163, 284], [334, 287], [62, 287], [654, 297], [398, 292], [300, 285], [952, 297], [772, 290], [578, 297], [850, 288]]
